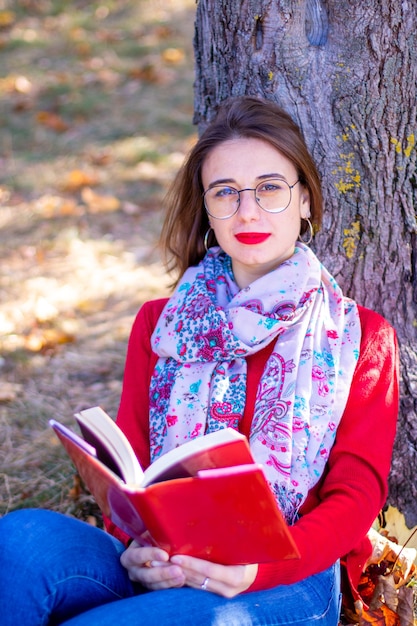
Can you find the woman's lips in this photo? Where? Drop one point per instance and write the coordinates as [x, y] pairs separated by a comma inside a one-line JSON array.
[[252, 238]]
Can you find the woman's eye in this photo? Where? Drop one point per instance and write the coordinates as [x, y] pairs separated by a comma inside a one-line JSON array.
[[223, 192], [270, 186]]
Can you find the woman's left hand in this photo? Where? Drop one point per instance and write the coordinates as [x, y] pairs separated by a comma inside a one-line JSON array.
[[225, 580]]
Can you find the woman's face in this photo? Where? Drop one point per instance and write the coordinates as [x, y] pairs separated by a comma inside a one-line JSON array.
[[256, 241]]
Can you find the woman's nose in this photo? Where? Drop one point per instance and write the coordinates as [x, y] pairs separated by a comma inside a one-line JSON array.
[[248, 207]]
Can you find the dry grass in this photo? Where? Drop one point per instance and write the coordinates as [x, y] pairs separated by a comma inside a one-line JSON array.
[[95, 117]]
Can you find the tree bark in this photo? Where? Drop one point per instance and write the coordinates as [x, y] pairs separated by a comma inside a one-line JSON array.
[[347, 73]]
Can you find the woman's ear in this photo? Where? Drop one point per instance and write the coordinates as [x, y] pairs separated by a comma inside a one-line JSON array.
[[304, 203]]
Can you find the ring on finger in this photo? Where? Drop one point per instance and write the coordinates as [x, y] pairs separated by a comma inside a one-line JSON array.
[[204, 584]]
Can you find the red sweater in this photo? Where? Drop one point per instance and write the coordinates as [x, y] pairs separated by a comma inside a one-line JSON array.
[[341, 508]]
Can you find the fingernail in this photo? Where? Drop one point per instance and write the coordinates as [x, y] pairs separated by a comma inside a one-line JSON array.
[[177, 560]]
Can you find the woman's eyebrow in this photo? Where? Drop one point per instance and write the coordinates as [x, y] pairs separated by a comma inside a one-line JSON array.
[[228, 181], [274, 175], [222, 181]]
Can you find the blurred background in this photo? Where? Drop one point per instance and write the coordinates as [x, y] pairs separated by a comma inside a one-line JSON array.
[[96, 107]]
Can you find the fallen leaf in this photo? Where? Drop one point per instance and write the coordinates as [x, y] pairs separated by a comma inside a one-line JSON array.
[[386, 600], [406, 605], [384, 549], [385, 593], [22, 105], [53, 121], [174, 56], [394, 524], [383, 616], [46, 339], [77, 488], [77, 179], [51, 206], [8, 84], [9, 391], [83, 48], [148, 72], [99, 203], [7, 18], [367, 584]]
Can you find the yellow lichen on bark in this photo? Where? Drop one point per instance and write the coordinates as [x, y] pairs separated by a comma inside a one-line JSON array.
[[351, 238], [350, 177], [411, 142]]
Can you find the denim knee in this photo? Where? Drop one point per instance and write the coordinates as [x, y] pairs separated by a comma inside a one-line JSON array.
[[17, 531], [54, 565]]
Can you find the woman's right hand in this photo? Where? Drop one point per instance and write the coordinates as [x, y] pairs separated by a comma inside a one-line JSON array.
[[150, 567]]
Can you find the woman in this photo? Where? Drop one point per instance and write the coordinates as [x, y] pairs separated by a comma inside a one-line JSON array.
[[258, 336]]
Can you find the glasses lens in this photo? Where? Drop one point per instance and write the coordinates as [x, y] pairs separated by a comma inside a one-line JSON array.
[[273, 195], [221, 201]]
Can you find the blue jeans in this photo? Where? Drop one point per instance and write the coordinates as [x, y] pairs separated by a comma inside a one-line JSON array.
[[55, 570]]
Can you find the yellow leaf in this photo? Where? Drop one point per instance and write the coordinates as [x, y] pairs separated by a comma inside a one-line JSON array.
[[47, 339], [49, 206], [98, 203], [77, 179], [383, 616], [7, 18], [174, 56]]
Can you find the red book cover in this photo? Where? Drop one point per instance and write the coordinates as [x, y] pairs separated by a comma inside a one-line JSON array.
[[226, 515]]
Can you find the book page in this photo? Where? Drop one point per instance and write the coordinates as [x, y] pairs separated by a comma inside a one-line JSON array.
[[112, 446]]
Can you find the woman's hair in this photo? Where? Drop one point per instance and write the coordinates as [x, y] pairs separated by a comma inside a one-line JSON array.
[[186, 222]]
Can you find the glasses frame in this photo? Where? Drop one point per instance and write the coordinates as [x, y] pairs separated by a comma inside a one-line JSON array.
[[239, 191]]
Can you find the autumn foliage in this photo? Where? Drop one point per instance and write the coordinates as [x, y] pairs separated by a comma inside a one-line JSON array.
[[386, 588]]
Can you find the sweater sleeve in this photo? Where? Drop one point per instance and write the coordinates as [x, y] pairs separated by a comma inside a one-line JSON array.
[[354, 488]]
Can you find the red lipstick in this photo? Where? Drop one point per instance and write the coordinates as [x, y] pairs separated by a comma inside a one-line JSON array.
[[252, 238]]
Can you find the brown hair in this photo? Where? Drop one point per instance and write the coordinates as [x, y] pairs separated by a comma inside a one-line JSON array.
[[186, 222]]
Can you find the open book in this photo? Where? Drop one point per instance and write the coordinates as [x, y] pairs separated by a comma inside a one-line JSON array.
[[207, 498]]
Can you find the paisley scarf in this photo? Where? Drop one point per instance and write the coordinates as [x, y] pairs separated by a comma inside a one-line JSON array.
[[202, 337]]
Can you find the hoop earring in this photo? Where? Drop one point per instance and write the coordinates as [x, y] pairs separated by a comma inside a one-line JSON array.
[[206, 238], [311, 232]]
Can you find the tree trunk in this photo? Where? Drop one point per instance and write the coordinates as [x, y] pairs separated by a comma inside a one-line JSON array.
[[347, 73]]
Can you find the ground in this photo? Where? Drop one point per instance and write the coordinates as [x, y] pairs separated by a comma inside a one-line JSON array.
[[96, 107]]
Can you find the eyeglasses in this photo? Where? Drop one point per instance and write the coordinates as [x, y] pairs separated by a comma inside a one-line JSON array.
[[272, 195]]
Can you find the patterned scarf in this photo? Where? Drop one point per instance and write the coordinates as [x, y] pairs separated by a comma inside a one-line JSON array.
[[202, 337]]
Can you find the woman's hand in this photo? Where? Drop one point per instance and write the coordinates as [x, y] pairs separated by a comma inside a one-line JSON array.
[[151, 567], [225, 580]]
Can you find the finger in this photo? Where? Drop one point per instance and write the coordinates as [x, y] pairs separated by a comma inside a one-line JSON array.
[[199, 573], [161, 576], [140, 556], [150, 567], [207, 584], [199, 569], [225, 580]]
